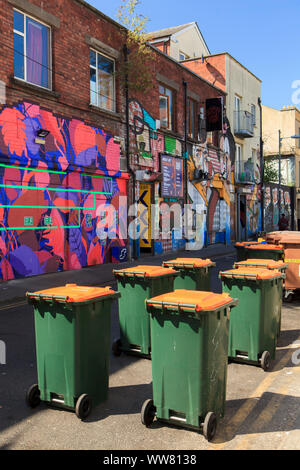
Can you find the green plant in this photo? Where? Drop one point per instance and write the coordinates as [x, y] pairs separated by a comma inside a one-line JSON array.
[[271, 170], [136, 67]]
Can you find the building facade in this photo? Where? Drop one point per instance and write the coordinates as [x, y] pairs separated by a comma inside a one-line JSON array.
[[242, 120], [243, 111], [61, 124], [82, 156], [280, 128]]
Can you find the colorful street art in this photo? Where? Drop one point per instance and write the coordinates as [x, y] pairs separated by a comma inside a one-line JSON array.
[[253, 212], [211, 182], [272, 207], [53, 196]]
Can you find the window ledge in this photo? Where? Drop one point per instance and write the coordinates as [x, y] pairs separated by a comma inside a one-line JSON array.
[[105, 112], [171, 133], [34, 88]]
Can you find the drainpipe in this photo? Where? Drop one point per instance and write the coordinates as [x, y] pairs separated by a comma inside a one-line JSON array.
[[126, 52], [185, 142], [262, 170]]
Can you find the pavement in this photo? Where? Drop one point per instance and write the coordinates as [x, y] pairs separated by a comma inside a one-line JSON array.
[[262, 408], [100, 275]]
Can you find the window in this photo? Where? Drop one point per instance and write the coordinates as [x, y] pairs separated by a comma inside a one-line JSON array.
[[182, 56], [253, 114], [237, 108], [166, 107], [191, 118], [298, 140], [238, 158], [31, 50], [102, 81]]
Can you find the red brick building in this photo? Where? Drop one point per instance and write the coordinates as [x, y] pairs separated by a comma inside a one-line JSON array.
[[68, 130]]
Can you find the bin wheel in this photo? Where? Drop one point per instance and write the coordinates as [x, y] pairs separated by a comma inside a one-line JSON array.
[[33, 396], [210, 426], [116, 348], [148, 413], [289, 298], [265, 360], [83, 406]]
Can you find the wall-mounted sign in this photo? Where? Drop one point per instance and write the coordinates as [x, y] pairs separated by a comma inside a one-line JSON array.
[[28, 221], [172, 171], [214, 114]]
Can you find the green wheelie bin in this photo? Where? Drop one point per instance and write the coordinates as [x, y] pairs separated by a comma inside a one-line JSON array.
[[241, 249], [72, 331], [254, 323], [273, 265], [135, 286], [193, 273], [264, 251], [189, 337]]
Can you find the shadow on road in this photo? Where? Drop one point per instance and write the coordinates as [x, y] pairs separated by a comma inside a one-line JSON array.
[[273, 412]]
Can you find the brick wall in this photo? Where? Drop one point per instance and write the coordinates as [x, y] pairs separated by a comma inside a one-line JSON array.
[[70, 59], [212, 69]]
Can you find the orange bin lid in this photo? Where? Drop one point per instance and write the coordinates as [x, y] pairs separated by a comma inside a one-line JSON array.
[[247, 243], [189, 262], [72, 293], [191, 300], [288, 239], [145, 271], [267, 263], [246, 272], [265, 246]]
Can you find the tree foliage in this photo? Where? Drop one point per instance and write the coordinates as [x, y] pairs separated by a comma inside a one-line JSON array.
[[271, 171], [136, 70]]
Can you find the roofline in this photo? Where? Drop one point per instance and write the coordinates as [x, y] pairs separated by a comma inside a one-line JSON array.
[[229, 55], [179, 64], [194, 23], [107, 18], [99, 13], [166, 29], [284, 108], [186, 26]]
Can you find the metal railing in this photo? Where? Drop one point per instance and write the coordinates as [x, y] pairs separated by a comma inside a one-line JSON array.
[[243, 124], [244, 171]]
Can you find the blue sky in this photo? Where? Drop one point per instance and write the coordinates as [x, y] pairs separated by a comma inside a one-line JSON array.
[[261, 34]]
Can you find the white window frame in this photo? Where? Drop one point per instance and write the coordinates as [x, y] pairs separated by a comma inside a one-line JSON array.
[[237, 109], [97, 52], [25, 49], [239, 158], [253, 114], [164, 95]]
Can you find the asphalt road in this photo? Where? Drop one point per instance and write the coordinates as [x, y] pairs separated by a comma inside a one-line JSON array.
[[262, 408]]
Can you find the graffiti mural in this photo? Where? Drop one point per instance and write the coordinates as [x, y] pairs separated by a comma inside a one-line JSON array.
[[53, 195], [253, 212], [211, 182], [272, 208]]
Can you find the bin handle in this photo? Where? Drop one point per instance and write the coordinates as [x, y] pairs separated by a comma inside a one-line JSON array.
[[191, 307], [244, 276], [48, 296], [173, 304], [189, 264], [130, 274]]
